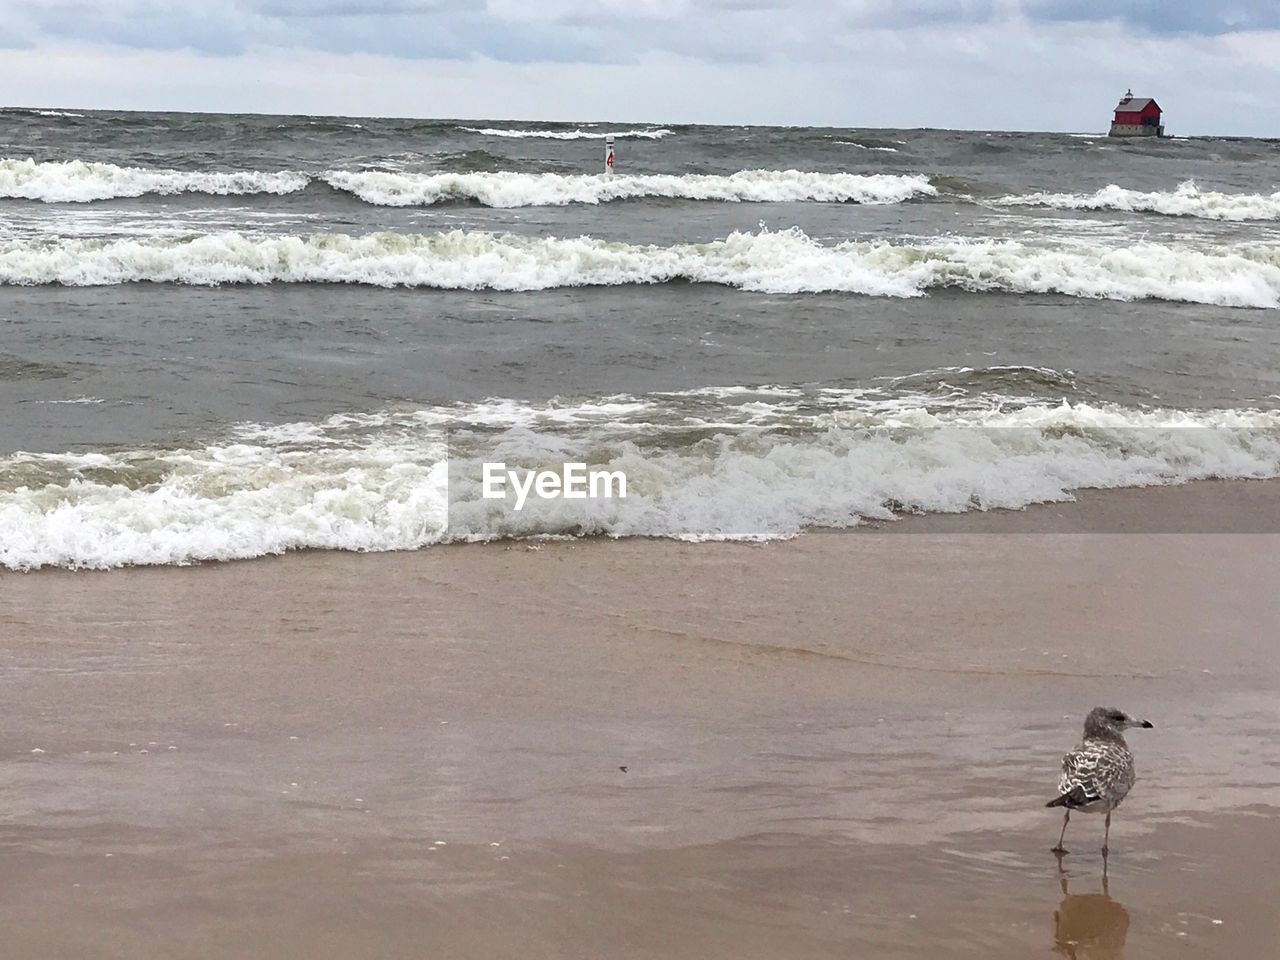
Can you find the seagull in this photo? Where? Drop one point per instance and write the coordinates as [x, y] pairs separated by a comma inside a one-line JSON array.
[[1097, 774]]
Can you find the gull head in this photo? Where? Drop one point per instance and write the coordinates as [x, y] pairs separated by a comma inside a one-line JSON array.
[[1108, 721]]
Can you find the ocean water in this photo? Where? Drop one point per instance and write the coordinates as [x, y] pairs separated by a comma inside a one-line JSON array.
[[227, 336]]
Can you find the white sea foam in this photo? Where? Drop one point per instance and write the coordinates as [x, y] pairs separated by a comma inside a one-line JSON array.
[[652, 133], [769, 262], [1186, 201], [380, 482], [863, 146], [553, 189], [74, 181], [227, 502]]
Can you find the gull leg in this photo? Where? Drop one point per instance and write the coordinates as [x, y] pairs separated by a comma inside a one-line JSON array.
[[1065, 820], [1106, 836]]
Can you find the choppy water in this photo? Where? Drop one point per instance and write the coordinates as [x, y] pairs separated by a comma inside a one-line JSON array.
[[231, 335]]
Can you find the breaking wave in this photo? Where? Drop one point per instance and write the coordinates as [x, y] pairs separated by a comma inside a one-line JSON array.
[[553, 189], [768, 262], [653, 133], [719, 464], [75, 181], [36, 112], [864, 146], [79, 182], [1186, 201]]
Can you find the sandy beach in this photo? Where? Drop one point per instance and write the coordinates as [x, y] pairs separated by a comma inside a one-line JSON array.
[[833, 746]]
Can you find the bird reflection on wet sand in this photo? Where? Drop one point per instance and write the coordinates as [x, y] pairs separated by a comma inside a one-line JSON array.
[[1089, 926]]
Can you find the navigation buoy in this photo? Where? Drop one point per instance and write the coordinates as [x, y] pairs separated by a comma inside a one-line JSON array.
[[608, 155]]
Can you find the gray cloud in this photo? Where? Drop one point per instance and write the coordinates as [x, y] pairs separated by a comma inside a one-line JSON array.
[[575, 30], [1204, 17], [303, 9], [417, 29]]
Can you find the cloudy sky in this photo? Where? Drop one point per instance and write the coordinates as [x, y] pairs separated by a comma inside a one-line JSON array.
[[1214, 65]]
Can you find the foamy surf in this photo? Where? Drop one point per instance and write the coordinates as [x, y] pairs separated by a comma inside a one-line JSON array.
[[551, 189], [75, 181], [863, 146], [786, 262], [650, 133], [1186, 201], [722, 464]]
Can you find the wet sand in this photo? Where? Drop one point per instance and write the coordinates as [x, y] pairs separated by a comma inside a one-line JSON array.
[[838, 745]]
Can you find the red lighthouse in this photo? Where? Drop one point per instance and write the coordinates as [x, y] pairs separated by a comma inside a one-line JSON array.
[[1137, 117]]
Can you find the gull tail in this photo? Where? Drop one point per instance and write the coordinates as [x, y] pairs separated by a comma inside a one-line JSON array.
[[1073, 799]]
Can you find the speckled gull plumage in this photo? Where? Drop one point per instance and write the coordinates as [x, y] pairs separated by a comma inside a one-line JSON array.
[[1099, 773]]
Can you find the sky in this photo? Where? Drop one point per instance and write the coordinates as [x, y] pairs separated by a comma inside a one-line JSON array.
[[1214, 65]]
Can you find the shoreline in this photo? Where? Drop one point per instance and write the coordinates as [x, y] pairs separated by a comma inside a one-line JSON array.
[[1211, 506], [1197, 507], [833, 745]]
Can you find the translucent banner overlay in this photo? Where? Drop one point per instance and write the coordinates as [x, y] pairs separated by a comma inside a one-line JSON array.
[[764, 485]]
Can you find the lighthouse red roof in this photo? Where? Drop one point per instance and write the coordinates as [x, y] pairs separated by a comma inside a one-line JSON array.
[[1135, 104]]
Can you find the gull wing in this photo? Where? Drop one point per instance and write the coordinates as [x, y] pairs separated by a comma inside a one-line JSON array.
[[1084, 770]]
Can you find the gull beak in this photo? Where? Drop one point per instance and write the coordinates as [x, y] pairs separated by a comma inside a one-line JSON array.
[[1145, 724]]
